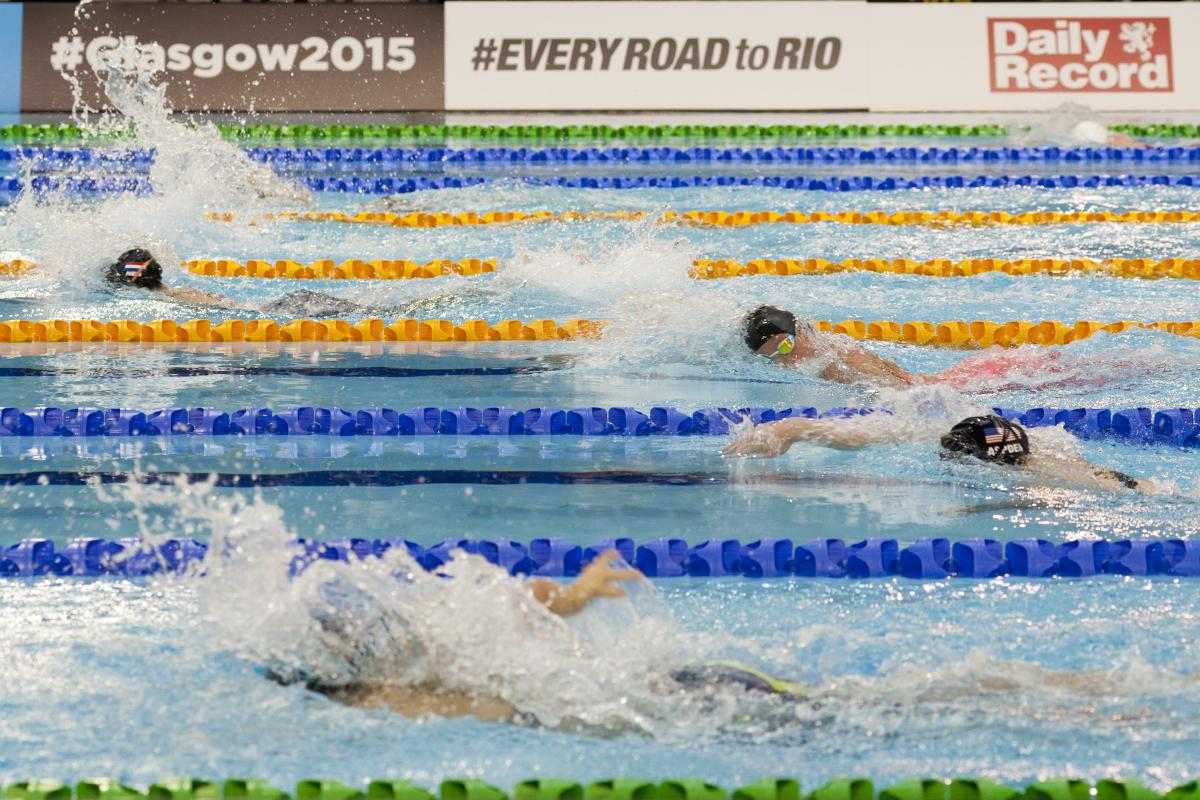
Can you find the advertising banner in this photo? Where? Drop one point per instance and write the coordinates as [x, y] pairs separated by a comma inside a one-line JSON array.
[[10, 57], [1117, 57], [242, 56], [657, 55]]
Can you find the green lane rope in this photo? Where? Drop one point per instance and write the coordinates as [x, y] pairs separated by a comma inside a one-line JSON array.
[[616, 789], [22, 133], [440, 133], [1165, 130]]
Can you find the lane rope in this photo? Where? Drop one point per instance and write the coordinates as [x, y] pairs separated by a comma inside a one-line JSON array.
[[438, 133], [1177, 427], [978, 334], [1164, 130], [1145, 268], [544, 788], [336, 158], [926, 558], [301, 330], [723, 219], [702, 269], [851, 183], [954, 333], [581, 156], [327, 269], [91, 187]]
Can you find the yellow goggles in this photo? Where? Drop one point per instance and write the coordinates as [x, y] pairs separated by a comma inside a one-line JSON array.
[[784, 348]]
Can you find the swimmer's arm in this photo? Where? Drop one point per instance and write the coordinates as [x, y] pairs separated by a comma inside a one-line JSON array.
[[596, 580], [774, 438], [195, 297], [858, 363], [270, 185], [1084, 473]]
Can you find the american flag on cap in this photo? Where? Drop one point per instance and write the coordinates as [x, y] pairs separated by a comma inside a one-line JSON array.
[[993, 435]]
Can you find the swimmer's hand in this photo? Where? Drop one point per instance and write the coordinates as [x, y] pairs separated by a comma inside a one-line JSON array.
[[598, 579], [772, 439]]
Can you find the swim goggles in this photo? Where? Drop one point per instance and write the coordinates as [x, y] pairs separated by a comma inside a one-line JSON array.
[[784, 348]]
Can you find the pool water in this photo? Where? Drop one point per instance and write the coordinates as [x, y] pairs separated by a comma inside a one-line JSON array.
[[1009, 679]]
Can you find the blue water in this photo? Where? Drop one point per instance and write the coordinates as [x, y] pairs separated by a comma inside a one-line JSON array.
[[1005, 679]]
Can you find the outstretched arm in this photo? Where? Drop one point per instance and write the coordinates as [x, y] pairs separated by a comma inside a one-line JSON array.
[[597, 580], [196, 297], [774, 438], [1082, 472]]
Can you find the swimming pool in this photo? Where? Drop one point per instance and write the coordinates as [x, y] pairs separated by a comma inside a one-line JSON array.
[[1010, 679]]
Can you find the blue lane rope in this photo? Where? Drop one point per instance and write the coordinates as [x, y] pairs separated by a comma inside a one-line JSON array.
[[90, 187], [296, 371], [800, 154], [380, 478], [356, 185], [1178, 427], [78, 187], [927, 558], [721, 155], [332, 421]]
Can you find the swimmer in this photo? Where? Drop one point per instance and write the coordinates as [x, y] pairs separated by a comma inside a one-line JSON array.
[[599, 579], [779, 338], [138, 268], [1091, 132], [990, 438]]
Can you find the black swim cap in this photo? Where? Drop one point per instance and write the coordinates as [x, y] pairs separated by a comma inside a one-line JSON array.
[[990, 438], [766, 321], [150, 277]]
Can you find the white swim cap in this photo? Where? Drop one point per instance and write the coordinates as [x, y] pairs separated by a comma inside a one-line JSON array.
[[1091, 132]]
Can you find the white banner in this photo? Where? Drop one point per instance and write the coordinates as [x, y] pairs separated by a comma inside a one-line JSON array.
[[1035, 56], [658, 55]]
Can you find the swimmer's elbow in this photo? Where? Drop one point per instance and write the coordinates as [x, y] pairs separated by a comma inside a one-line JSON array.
[[553, 595]]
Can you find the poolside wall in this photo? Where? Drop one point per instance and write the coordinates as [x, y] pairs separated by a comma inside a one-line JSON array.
[[593, 55]]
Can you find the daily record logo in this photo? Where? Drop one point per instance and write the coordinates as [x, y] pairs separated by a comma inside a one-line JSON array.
[[1105, 54]]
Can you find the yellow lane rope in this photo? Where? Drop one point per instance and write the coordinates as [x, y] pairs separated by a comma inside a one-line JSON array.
[[714, 269], [729, 219], [302, 330], [704, 269], [16, 267], [947, 268], [382, 269], [979, 333], [955, 333]]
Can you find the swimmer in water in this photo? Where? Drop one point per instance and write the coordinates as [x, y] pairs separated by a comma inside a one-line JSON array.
[[1095, 133], [779, 338], [138, 268], [990, 438], [599, 579]]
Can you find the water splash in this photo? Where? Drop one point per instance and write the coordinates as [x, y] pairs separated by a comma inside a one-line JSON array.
[[194, 170], [470, 628]]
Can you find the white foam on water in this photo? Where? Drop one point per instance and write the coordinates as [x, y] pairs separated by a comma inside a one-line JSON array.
[[193, 171], [469, 628]]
